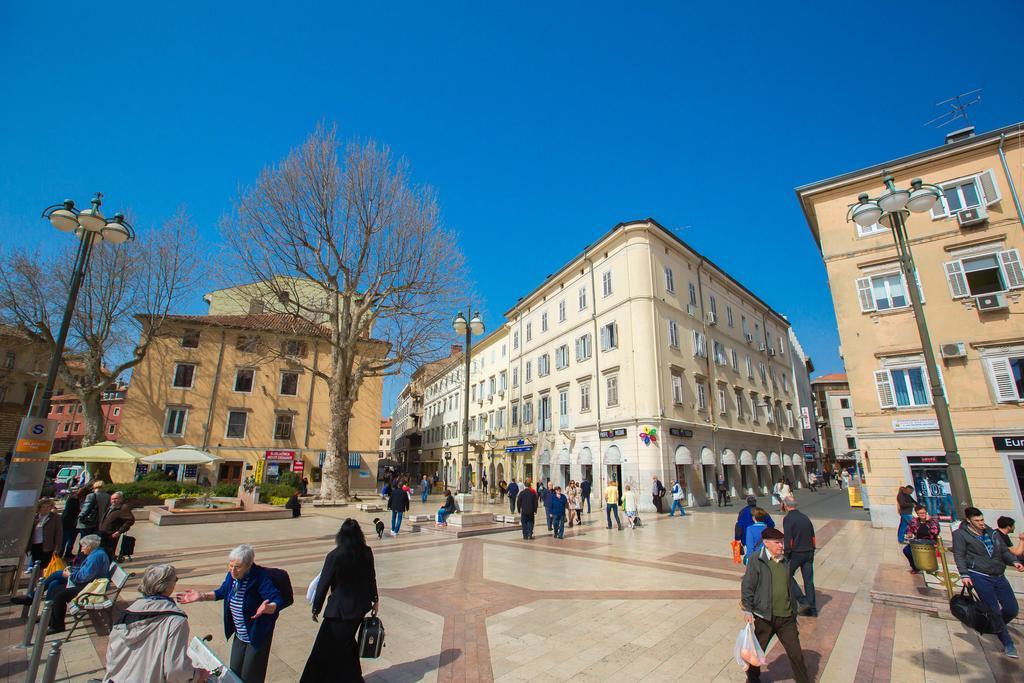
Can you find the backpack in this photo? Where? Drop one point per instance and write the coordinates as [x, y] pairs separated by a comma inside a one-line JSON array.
[[971, 611], [283, 584]]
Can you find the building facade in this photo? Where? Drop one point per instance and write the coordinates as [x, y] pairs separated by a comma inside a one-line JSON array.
[[385, 439], [66, 411], [837, 427], [410, 453], [807, 417], [967, 255]]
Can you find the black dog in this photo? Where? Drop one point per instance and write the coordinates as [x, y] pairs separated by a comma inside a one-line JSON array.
[[379, 526]]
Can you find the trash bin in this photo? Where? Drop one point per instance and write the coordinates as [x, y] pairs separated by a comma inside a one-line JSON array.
[[923, 553], [854, 493]]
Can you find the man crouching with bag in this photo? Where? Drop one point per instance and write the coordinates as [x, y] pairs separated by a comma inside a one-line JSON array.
[[768, 603]]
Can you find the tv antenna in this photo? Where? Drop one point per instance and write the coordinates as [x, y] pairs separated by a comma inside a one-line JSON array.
[[957, 109]]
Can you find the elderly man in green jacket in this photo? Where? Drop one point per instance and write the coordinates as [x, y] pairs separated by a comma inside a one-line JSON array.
[[767, 595]]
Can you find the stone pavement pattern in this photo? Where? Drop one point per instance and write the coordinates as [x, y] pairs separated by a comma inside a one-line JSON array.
[[658, 603]]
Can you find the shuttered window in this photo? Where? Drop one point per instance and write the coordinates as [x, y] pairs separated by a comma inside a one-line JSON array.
[[609, 337], [700, 345], [1006, 376], [998, 271], [905, 387], [673, 334], [966, 193]]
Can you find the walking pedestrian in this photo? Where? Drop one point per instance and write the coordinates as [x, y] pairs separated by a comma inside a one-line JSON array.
[[611, 499], [777, 494], [812, 481], [577, 504], [905, 504], [69, 520], [657, 493], [723, 491], [513, 491], [923, 527], [46, 533], [846, 478], [304, 487], [677, 500], [250, 612], [424, 489], [115, 523], [349, 574], [752, 538], [746, 517], [558, 504], [768, 603], [545, 497], [585, 492], [800, 545], [526, 503], [398, 503], [629, 504], [93, 509], [483, 483], [981, 559]]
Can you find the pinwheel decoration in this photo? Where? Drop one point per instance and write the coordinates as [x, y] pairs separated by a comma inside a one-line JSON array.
[[649, 435]]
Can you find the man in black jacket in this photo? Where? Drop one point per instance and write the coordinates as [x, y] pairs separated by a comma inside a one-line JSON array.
[[398, 503], [526, 502], [799, 547], [585, 492], [513, 491], [657, 491]]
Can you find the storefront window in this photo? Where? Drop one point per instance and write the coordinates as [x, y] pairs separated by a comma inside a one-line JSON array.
[[931, 485]]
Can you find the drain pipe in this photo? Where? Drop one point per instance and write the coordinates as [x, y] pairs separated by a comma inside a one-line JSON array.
[[1009, 180]]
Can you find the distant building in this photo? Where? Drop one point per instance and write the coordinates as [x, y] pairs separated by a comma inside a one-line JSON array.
[[66, 411], [385, 438], [837, 430]]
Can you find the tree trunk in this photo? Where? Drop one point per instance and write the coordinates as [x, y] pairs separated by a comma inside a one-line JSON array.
[[334, 478], [93, 429]]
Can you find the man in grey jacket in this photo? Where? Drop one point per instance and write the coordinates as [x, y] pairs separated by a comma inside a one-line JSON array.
[[982, 558], [767, 596]]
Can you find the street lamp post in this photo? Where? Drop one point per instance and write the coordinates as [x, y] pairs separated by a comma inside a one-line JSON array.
[[474, 326], [893, 206]]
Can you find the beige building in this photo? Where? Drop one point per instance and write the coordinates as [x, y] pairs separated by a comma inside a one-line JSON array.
[[385, 438], [409, 451], [211, 382], [967, 253], [837, 428]]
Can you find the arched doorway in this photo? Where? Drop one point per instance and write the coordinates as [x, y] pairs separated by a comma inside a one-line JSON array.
[[688, 477], [775, 460], [707, 463], [787, 469], [545, 468], [586, 465], [800, 468], [764, 472], [749, 470], [563, 467], [731, 469], [500, 472], [613, 466]]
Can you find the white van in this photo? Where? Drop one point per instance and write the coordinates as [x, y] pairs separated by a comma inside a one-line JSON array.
[[66, 474]]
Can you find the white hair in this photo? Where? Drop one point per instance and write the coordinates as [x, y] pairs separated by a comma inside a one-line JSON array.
[[243, 553], [158, 580], [92, 540], [790, 503]]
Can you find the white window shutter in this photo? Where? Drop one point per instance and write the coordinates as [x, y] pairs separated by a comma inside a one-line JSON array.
[[1001, 376], [957, 282], [939, 209], [990, 187], [1012, 269], [886, 396], [867, 299]]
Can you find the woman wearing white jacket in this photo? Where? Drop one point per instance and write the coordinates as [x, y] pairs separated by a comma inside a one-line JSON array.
[[629, 503], [149, 643]]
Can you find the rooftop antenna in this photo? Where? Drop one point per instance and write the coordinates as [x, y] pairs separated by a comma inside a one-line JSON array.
[[957, 109]]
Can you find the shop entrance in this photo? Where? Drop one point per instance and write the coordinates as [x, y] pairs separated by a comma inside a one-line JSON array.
[[615, 474], [229, 472], [931, 485], [588, 473], [565, 475], [710, 481]]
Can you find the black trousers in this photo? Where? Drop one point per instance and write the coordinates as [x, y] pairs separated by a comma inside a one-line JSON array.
[[39, 555], [785, 629], [804, 561], [657, 503], [247, 662], [61, 597], [335, 653], [723, 498]]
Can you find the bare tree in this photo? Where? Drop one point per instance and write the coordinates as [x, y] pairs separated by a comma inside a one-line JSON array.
[[126, 294], [339, 236]]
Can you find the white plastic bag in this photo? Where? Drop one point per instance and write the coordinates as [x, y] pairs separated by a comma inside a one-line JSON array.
[[748, 651], [311, 591]]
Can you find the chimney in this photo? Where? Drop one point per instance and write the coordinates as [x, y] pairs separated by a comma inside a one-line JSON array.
[[456, 349], [958, 135]]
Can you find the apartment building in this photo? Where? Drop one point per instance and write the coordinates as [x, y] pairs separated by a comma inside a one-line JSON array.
[[409, 450], [837, 428], [967, 255], [385, 438], [442, 420], [66, 410]]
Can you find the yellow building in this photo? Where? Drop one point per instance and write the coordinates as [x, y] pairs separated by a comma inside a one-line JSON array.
[[211, 382], [967, 253]]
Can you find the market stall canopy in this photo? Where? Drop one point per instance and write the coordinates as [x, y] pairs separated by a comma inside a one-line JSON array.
[[104, 451], [181, 455]]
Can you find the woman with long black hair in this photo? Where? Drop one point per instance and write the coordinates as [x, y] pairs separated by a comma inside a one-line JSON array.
[[349, 574]]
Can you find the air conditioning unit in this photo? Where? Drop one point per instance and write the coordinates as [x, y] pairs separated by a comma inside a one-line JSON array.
[[954, 350], [972, 216], [712, 318], [749, 337], [692, 310], [991, 302]]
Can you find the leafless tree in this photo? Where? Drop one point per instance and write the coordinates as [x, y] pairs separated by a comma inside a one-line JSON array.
[[338, 235], [127, 293]]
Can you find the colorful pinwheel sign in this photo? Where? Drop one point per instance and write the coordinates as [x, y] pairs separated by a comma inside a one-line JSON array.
[[649, 435]]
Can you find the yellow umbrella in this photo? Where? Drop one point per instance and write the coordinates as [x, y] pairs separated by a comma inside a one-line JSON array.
[[104, 451]]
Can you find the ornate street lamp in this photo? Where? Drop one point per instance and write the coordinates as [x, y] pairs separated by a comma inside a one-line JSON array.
[[474, 326], [893, 206]]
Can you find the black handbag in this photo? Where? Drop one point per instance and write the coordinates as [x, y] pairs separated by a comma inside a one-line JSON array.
[[973, 612], [370, 637]]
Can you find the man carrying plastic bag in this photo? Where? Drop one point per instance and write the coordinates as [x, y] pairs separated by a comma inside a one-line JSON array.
[[769, 606]]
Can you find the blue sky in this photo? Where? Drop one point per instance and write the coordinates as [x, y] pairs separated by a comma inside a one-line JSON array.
[[541, 125]]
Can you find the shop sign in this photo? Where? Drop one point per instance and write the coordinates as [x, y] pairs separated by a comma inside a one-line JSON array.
[[612, 433], [281, 456], [299, 466], [926, 460], [518, 449], [809, 448], [684, 433], [1008, 443], [922, 424], [806, 416], [257, 475]]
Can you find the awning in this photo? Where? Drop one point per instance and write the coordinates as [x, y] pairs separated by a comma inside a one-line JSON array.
[[774, 459], [563, 457], [613, 456], [787, 460], [762, 459], [798, 460], [707, 456], [746, 457], [181, 455], [586, 457], [104, 451], [683, 456], [728, 457]]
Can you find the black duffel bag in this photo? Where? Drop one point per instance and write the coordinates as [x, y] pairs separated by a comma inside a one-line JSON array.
[[974, 613]]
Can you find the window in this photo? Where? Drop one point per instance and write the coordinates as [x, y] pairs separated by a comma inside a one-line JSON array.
[[492, 385], [609, 337], [500, 422], [283, 426], [873, 229], [677, 388], [111, 428], [584, 397], [529, 331], [515, 339], [606, 283], [723, 408], [739, 404], [256, 307], [719, 350], [247, 344], [1006, 374], [515, 377], [848, 422], [503, 380], [9, 359], [750, 368], [584, 348], [702, 397], [902, 387], [782, 346], [967, 193], [728, 315], [693, 294], [713, 304], [562, 357], [882, 292], [184, 375], [544, 414], [789, 417], [544, 321], [237, 420], [670, 281], [515, 414], [563, 408], [735, 360], [760, 370], [67, 427], [293, 348], [700, 345], [174, 424], [785, 382], [529, 371], [745, 326], [844, 403], [851, 442], [561, 311], [673, 334], [289, 384], [544, 366], [583, 298], [611, 384], [527, 411], [985, 274], [244, 380], [60, 408], [189, 339], [753, 406]]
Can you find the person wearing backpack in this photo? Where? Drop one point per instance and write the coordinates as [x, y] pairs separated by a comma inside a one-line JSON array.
[[252, 600], [981, 559]]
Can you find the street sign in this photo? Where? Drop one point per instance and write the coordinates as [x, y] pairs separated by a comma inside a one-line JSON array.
[[24, 482]]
